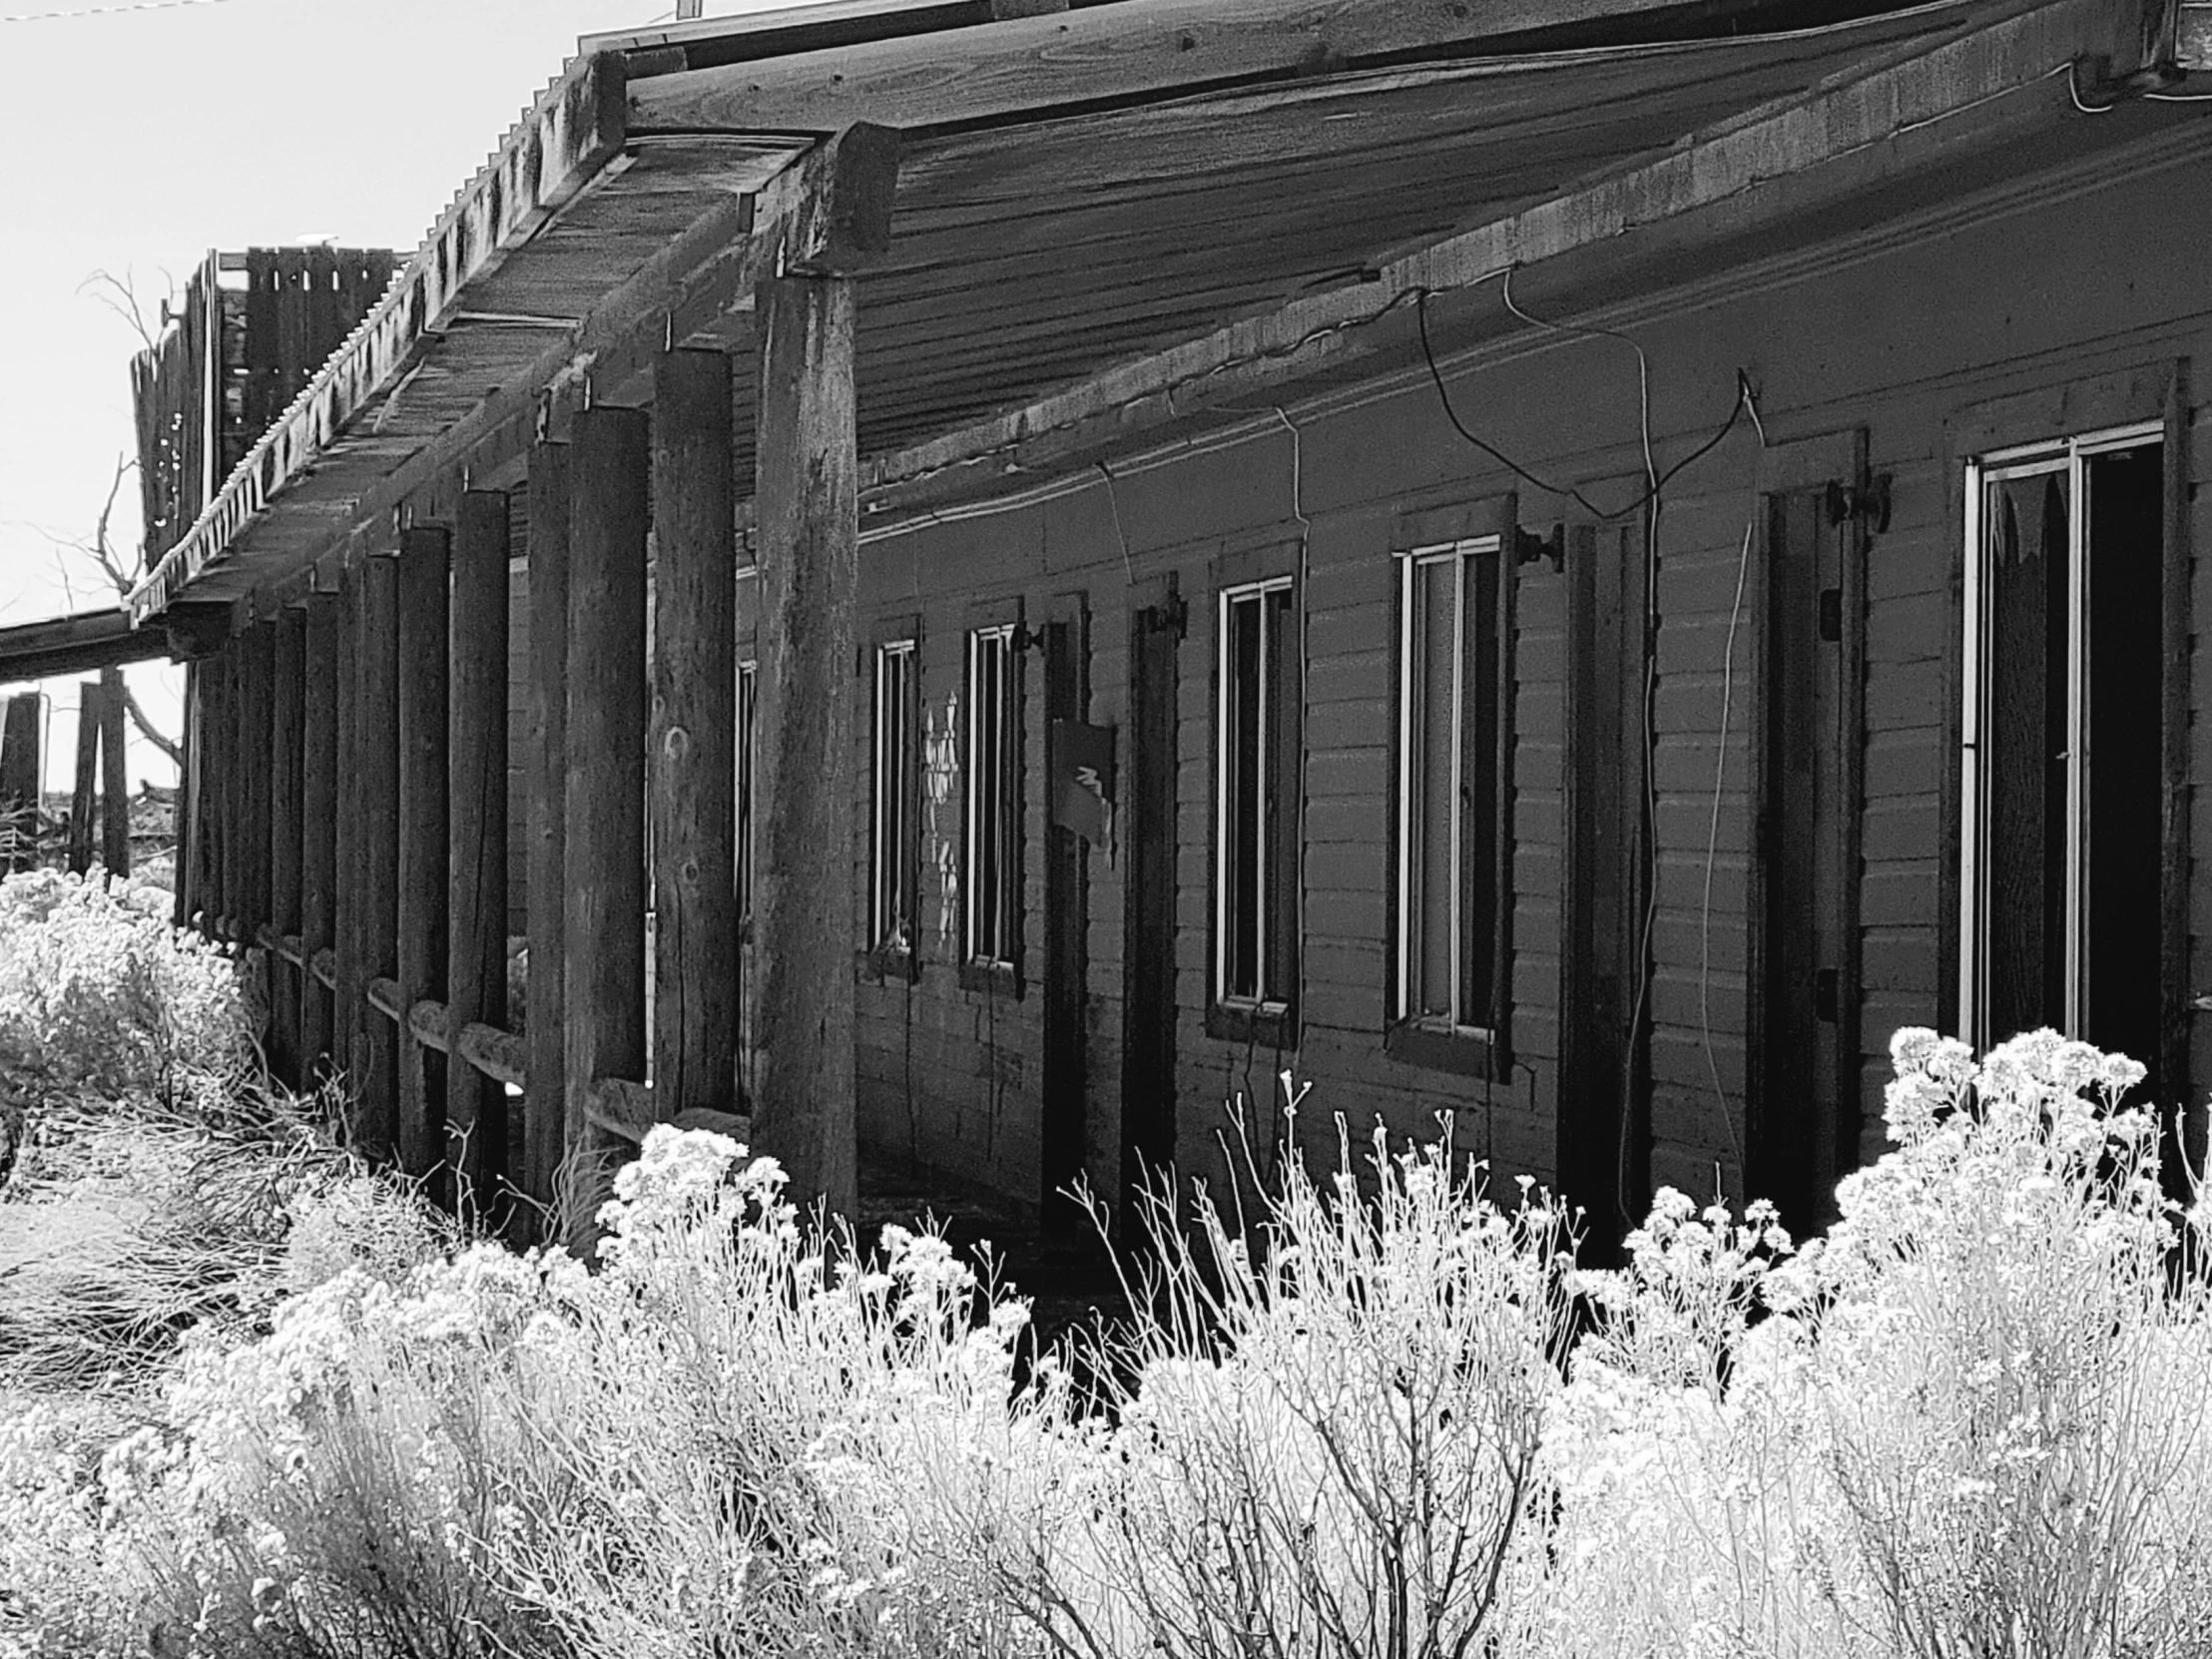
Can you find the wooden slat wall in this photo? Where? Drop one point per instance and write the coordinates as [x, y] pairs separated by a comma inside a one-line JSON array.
[[950, 1080]]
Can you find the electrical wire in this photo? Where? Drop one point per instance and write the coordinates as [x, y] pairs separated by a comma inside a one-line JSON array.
[[1304, 542]]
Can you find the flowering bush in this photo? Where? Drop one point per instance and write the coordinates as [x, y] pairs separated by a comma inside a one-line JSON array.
[[1364, 1420], [98, 992]]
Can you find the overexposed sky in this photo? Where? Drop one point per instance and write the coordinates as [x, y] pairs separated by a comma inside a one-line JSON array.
[[144, 135]]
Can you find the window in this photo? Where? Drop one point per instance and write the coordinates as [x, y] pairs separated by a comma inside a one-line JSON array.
[[1255, 795], [990, 877], [748, 704], [893, 860], [1452, 876], [2061, 771]]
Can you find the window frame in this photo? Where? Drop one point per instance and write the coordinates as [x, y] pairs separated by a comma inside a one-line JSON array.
[[1454, 1044], [1265, 1019], [2065, 455], [894, 801], [1002, 971]]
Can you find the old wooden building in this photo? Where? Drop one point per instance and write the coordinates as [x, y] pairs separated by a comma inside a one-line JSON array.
[[981, 580]]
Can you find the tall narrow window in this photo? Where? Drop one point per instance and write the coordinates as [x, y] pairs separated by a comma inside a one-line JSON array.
[[991, 877], [2062, 774], [1450, 865], [1256, 853], [747, 693], [897, 819]]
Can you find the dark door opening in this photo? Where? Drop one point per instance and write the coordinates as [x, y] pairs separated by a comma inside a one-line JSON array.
[[1147, 837], [1066, 955]]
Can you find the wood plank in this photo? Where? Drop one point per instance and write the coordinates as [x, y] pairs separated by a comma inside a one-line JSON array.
[[114, 787], [544, 1132], [346, 896], [693, 736], [807, 514], [318, 824], [91, 695], [604, 879], [1030, 65], [376, 873], [2170, 1069], [257, 724], [425, 554], [476, 1132]]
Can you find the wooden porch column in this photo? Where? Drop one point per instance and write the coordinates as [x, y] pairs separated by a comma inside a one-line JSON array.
[[318, 777], [287, 731], [345, 806], [424, 605], [183, 814], [808, 513], [694, 747], [544, 1103], [115, 778], [476, 892], [91, 694], [231, 788], [604, 887], [376, 853], [256, 721]]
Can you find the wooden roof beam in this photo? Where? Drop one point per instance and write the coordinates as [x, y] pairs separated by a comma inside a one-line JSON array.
[[926, 70], [1767, 166]]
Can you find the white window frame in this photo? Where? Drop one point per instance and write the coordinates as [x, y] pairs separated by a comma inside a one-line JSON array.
[[2066, 455], [1224, 770], [1460, 554], [1001, 634], [888, 856]]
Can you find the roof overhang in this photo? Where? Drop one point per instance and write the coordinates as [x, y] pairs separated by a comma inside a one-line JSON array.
[[1120, 223]]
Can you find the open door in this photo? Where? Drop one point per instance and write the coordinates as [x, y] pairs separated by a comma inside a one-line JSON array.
[[1148, 840]]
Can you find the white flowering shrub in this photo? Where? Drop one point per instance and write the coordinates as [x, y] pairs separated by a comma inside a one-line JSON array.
[[1381, 1414], [98, 992]]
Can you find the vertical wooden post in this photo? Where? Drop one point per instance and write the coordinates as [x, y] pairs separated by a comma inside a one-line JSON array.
[[345, 809], [376, 852], [318, 778], [184, 867], [693, 748], [286, 991], [424, 600], [256, 721], [476, 953], [114, 781], [21, 780], [209, 764], [808, 519], [236, 860], [546, 1093], [604, 888], [90, 695]]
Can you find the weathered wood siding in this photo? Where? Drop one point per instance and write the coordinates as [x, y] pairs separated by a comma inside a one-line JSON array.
[[1908, 340]]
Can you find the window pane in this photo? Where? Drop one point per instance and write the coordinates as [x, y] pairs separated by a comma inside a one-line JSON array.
[[2023, 752], [1435, 748]]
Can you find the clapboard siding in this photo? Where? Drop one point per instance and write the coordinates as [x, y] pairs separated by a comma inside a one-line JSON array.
[[1905, 344]]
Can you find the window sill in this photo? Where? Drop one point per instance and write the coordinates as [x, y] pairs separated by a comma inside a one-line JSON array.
[[1462, 1053], [1258, 1025], [995, 979]]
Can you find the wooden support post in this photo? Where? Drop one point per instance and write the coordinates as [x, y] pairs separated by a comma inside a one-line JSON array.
[[90, 695], [208, 765], [286, 983], [115, 778], [236, 862], [21, 780], [546, 1093], [476, 954], [806, 509], [693, 749], [424, 600], [376, 854], [318, 769], [258, 678], [345, 809], [184, 870], [604, 888]]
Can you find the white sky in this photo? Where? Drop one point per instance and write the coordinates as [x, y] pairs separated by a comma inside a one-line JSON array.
[[142, 137]]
